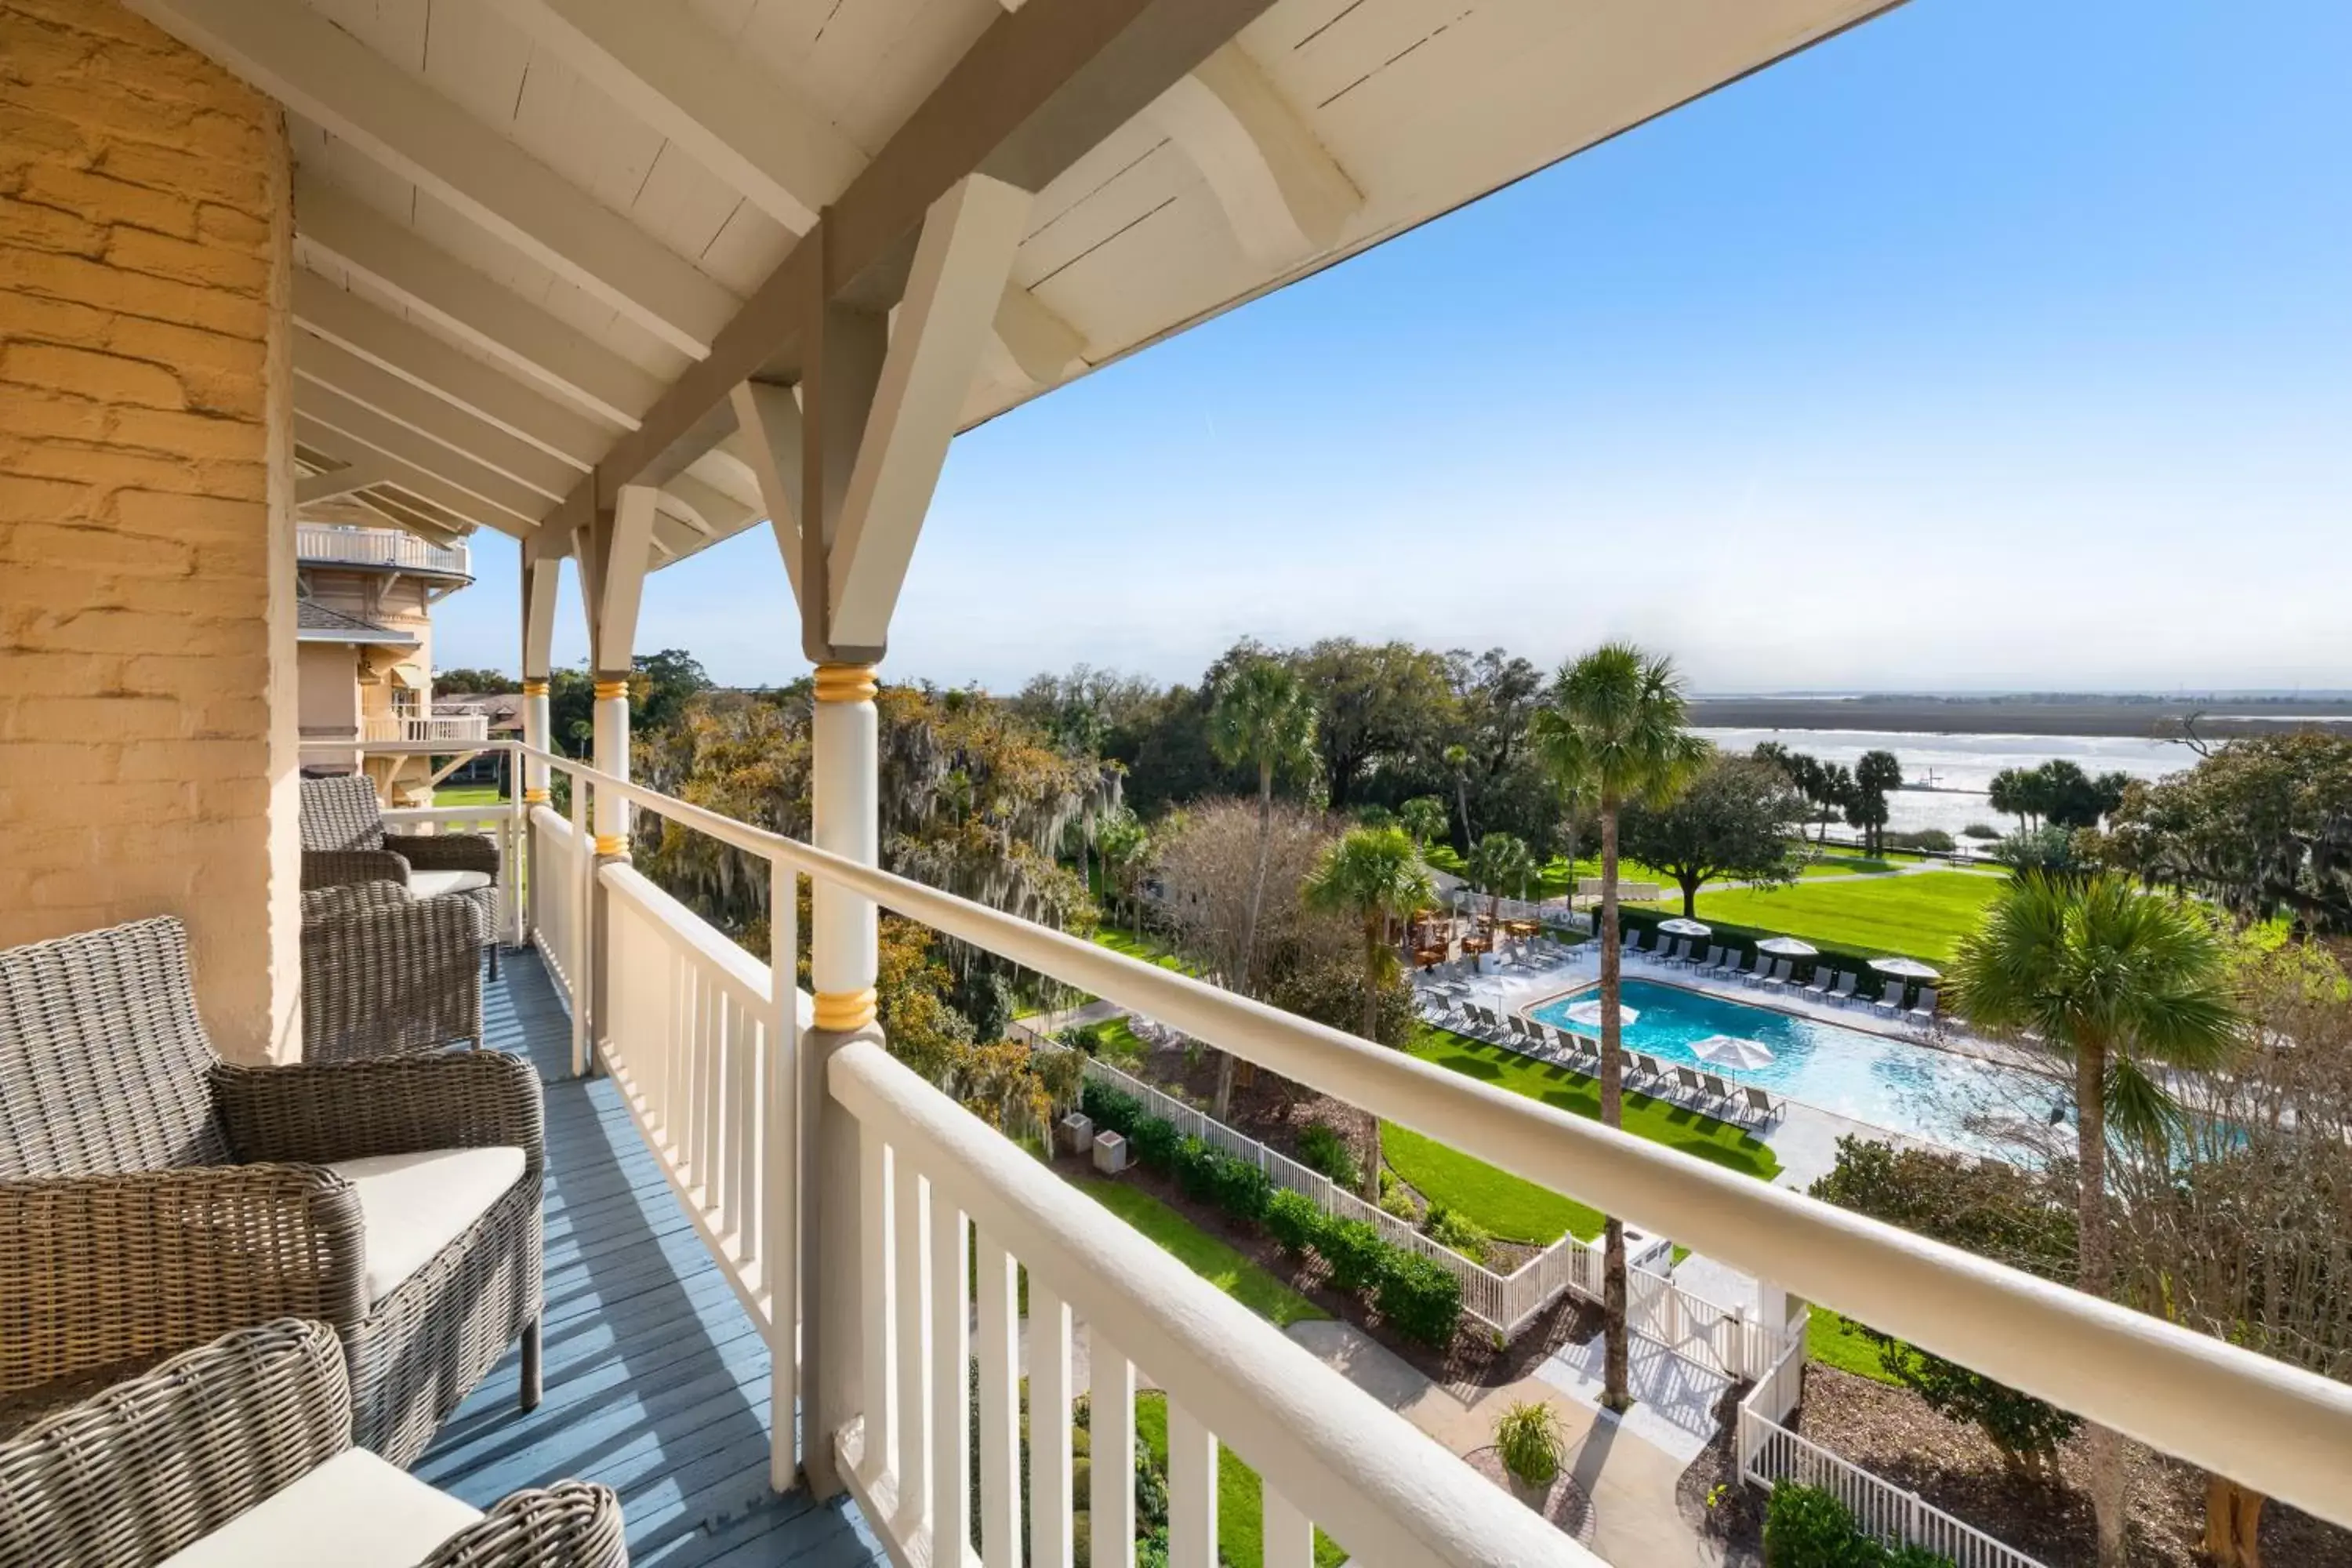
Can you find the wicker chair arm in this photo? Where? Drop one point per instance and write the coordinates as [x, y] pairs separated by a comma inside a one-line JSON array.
[[323, 1111], [144, 1469], [96, 1271], [446, 851], [571, 1524], [332, 868]]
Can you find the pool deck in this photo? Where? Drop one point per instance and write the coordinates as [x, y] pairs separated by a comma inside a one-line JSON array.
[[655, 1381]]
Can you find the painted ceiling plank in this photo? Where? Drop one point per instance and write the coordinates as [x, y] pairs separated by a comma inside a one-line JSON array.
[[335, 80], [373, 386], [404, 263], [485, 485], [421, 482], [1284, 195]]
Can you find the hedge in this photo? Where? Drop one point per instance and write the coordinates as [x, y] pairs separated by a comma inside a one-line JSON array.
[[1806, 1527], [1745, 938], [1421, 1298]]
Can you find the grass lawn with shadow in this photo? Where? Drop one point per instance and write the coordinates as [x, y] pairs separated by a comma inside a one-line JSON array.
[[1923, 915], [1137, 944], [1241, 1496], [1832, 1338], [1204, 1255]]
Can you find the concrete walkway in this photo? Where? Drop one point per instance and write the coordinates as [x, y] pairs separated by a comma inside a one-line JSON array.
[[1629, 1477]]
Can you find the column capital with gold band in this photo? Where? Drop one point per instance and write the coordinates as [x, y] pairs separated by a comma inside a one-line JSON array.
[[846, 683]]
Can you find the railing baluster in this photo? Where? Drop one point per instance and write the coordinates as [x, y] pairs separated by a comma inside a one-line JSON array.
[[780, 1158], [1110, 1494], [877, 1262], [912, 1241], [999, 1351], [1192, 1490], [950, 1385], [1050, 1394], [582, 871], [1289, 1534]]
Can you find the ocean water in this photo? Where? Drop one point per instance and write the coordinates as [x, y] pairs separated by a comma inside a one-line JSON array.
[[1962, 766], [1954, 1101]]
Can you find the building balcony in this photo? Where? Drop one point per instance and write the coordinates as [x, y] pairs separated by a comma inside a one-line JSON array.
[[386, 549], [417, 730]]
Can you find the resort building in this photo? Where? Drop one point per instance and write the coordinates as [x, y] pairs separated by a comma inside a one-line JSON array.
[[613, 281], [364, 617]]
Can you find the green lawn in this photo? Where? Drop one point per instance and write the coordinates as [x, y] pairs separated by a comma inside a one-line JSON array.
[[1846, 865], [468, 794], [1509, 1207], [1204, 1255], [1923, 915], [1832, 1340], [1117, 1043], [1519, 1210], [1241, 1522], [1136, 944]]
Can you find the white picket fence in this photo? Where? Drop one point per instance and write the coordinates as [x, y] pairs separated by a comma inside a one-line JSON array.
[[1709, 1335], [1770, 1453]]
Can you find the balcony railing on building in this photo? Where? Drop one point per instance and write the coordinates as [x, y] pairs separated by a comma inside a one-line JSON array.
[[858, 1212], [421, 729], [325, 544]]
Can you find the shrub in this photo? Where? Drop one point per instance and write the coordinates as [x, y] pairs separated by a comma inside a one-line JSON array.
[[1449, 1227], [1243, 1190], [1805, 1527], [1981, 831], [1356, 1252], [1110, 1107], [1420, 1296], [1327, 1153], [1293, 1222], [1927, 838], [1154, 1140], [1196, 1169], [1397, 1201], [1532, 1441]]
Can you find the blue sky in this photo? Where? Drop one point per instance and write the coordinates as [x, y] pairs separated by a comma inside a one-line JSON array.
[[1994, 343]]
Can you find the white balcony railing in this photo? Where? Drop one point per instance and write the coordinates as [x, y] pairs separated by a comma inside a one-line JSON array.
[[404, 729], [326, 543], [840, 1194]]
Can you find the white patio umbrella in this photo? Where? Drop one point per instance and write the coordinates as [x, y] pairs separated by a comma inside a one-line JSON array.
[[1906, 968], [1681, 927], [1588, 1012], [1732, 1051], [1787, 947]]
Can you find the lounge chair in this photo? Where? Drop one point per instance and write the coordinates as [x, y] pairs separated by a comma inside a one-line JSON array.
[[1767, 1110], [1647, 1066], [1758, 968], [1715, 1086], [241, 1451], [1890, 999], [1715, 961], [1726, 966], [1820, 981], [1843, 992], [1690, 1091], [1925, 1012], [1778, 978]]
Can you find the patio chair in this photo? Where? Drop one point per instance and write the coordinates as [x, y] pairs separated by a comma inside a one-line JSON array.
[[1843, 992], [1718, 1090], [384, 974], [1681, 956], [1689, 1090], [344, 840], [1766, 1108], [1821, 980], [1778, 978], [1923, 1010], [1760, 965], [1890, 998], [152, 1196], [240, 1452], [1714, 962]]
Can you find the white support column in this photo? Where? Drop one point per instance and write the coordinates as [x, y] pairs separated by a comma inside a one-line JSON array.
[[845, 819], [541, 575], [611, 757]]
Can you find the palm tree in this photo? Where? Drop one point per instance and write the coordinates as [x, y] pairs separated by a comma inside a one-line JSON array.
[[1373, 875], [1497, 864], [2114, 982], [1423, 817], [1457, 762], [1613, 733], [1123, 843], [1262, 716]]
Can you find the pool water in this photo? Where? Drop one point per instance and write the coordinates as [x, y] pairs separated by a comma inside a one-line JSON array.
[[1950, 1099]]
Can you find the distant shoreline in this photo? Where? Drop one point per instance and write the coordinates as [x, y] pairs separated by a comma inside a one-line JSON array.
[[1961, 716]]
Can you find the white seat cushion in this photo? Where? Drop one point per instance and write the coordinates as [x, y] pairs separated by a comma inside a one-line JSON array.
[[354, 1510], [432, 884], [412, 1206]]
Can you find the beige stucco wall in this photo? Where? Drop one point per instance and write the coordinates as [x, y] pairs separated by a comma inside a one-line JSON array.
[[147, 653], [330, 686]]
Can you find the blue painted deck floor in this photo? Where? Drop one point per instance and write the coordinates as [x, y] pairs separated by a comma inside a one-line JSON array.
[[656, 1383]]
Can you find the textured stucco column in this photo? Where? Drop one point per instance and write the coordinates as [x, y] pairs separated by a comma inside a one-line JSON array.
[[534, 734], [148, 727]]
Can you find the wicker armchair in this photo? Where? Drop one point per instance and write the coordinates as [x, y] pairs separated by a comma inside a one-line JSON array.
[[239, 1453], [343, 841], [384, 974], [153, 1197]]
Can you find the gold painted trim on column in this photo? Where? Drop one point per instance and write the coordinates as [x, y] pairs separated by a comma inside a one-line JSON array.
[[844, 1009], [846, 683], [610, 843], [535, 797], [606, 689], [534, 688]]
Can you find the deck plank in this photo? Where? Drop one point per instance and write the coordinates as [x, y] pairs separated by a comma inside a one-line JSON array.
[[654, 1379]]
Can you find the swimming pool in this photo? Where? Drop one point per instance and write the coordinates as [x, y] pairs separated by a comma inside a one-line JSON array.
[[1952, 1100]]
